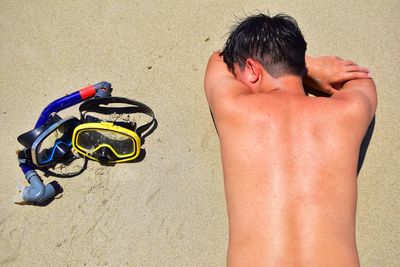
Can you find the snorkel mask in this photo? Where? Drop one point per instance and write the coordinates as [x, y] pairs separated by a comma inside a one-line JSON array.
[[50, 143], [114, 140], [54, 139]]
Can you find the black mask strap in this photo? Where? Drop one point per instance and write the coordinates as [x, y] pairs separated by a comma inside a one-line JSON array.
[[100, 105]]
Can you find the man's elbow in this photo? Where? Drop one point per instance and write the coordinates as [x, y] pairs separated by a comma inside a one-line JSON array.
[[365, 87]]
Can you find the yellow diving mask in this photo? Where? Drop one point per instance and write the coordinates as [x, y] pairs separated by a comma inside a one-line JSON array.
[[111, 141]]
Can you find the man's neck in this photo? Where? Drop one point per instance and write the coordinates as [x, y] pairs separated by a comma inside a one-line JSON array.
[[289, 83]]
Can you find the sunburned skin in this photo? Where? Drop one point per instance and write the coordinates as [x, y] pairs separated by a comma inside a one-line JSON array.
[[290, 164]]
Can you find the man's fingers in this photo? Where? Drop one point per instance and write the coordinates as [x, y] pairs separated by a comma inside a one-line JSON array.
[[348, 63], [354, 75], [356, 68]]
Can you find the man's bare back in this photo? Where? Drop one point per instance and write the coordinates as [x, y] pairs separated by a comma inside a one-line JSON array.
[[290, 164], [290, 182]]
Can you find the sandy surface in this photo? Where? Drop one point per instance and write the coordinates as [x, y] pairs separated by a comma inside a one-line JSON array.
[[169, 210]]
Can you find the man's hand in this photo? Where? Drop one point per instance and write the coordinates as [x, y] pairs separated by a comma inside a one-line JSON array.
[[329, 73]]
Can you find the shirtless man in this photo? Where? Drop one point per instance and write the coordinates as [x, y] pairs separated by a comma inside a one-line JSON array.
[[289, 160]]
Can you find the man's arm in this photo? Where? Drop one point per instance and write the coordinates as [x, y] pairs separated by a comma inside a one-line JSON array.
[[362, 97], [328, 73], [345, 81], [220, 83]]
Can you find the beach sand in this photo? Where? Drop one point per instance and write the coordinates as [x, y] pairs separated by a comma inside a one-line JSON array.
[[169, 209]]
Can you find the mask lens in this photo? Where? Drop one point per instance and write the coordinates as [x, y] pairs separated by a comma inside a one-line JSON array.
[[54, 146], [119, 143]]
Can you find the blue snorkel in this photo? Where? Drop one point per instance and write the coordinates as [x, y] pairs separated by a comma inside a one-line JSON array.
[[37, 192], [100, 90]]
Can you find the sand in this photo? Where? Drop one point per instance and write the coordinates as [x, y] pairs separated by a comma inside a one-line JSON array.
[[169, 209]]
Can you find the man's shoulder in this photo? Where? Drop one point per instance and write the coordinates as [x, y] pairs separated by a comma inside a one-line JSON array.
[[360, 98], [220, 83], [328, 106], [249, 102], [313, 108], [273, 102], [337, 113]]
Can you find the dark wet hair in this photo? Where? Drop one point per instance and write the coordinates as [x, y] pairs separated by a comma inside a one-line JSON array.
[[275, 42]]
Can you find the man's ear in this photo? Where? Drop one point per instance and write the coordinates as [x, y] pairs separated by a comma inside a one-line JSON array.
[[252, 71]]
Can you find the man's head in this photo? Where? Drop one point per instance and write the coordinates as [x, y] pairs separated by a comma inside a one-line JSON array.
[[275, 42]]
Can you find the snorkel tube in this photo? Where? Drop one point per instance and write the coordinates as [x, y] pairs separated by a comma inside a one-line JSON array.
[[100, 90], [37, 192]]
